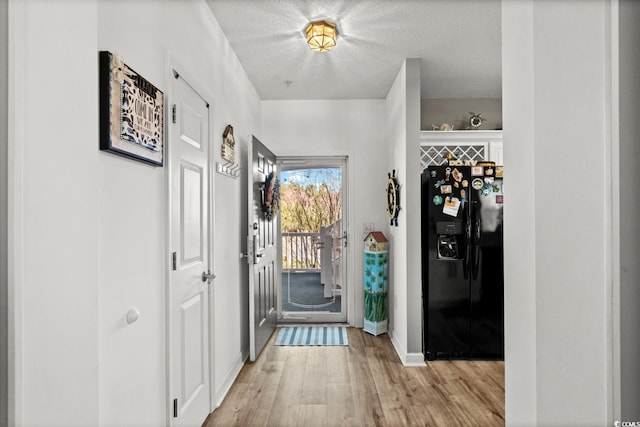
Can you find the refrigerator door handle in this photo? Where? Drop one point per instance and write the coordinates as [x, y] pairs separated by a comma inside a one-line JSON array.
[[466, 262], [476, 240]]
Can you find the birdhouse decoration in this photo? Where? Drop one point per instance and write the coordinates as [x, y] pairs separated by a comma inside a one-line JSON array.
[[376, 282], [375, 242], [228, 149]]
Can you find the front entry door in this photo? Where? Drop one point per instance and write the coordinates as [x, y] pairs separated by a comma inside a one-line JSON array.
[[262, 245], [190, 258], [314, 240]]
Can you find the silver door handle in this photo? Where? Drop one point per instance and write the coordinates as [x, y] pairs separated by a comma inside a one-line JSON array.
[[208, 277], [254, 247], [344, 238]]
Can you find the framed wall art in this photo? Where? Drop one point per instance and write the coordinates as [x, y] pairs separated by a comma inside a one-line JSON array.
[[131, 112]]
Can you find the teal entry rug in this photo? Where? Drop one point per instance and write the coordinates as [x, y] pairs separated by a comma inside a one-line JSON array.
[[312, 335]]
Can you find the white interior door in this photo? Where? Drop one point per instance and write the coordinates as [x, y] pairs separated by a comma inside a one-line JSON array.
[[189, 284], [262, 249]]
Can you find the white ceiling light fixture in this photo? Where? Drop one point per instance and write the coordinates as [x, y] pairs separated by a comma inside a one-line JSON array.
[[321, 36]]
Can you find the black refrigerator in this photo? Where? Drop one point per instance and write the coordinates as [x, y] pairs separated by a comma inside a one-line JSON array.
[[462, 261]]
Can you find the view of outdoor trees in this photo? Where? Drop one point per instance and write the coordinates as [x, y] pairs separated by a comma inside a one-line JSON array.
[[310, 202], [309, 199]]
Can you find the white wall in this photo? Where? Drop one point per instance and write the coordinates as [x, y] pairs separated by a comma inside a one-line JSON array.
[[54, 210], [455, 111], [413, 206], [519, 214], [629, 175], [396, 149], [557, 244], [89, 227], [132, 357], [354, 128], [403, 136], [4, 56]]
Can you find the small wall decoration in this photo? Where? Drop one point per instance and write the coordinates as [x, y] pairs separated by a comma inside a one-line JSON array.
[[228, 153], [271, 196], [443, 126], [228, 145], [131, 112], [393, 198], [475, 120]]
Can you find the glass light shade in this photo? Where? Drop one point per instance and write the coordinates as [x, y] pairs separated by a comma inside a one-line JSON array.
[[321, 36]]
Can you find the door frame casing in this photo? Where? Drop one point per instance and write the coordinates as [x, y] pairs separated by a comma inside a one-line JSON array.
[[4, 214], [348, 297], [16, 81], [174, 66]]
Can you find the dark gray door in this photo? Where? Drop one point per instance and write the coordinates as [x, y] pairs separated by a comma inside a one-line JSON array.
[[262, 249]]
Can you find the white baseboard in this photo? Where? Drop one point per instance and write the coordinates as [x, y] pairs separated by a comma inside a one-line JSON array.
[[230, 377], [414, 359], [407, 359]]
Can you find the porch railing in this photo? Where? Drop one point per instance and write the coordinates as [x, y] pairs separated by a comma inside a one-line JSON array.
[[301, 251], [320, 252]]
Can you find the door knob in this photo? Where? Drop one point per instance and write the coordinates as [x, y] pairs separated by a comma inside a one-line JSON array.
[[208, 277]]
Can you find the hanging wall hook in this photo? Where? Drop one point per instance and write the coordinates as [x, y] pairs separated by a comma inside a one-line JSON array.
[[229, 169]]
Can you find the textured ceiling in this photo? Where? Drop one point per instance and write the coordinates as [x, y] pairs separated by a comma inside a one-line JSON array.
[[458, 42]]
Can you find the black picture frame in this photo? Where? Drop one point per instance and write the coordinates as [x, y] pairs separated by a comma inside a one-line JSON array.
[[131, 112]]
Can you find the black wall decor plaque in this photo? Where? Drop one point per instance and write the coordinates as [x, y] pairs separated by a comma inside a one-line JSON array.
[[131, 112]]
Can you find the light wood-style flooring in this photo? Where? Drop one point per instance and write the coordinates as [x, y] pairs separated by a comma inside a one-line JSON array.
[[363, 384]]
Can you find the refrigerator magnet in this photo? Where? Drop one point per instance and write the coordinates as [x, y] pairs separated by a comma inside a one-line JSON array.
[[477, 171], [499, 171], [451, 206], [477, 184], [499, 198], [457, 175], [437, 200], [438, 183], [445, 189], [465, 183]]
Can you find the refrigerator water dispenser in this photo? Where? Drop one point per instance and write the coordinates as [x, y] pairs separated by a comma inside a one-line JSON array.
[[449, 238]]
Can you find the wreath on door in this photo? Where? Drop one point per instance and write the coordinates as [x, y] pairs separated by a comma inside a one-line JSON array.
[[271, 196]]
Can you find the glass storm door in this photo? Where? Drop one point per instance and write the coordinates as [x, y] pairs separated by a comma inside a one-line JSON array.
[[313, 240]]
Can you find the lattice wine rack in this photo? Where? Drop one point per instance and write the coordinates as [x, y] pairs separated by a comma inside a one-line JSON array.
[[434, 154]]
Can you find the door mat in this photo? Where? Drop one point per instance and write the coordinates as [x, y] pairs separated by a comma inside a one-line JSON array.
[[312, 335]]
